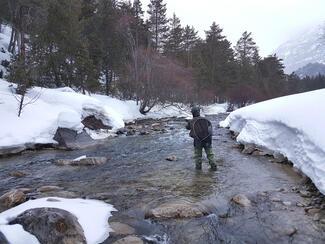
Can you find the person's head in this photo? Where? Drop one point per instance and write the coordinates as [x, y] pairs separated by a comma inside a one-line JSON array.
[[195, 111]]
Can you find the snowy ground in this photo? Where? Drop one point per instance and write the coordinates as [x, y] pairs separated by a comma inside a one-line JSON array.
[[292, 126], [92, 215]]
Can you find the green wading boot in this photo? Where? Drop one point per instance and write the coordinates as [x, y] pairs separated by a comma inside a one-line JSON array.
[[198, 158], [210, 157]]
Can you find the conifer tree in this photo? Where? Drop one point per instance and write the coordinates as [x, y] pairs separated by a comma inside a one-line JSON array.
[[190, 40], [174, 42], [158, 23], [216, 61]]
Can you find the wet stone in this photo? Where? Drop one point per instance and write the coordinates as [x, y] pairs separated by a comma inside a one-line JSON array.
[[17, 174], [129, 240], [276, 199], [171, 158], [299, 204], [121, 229], [241, 200], [249, 149], [176, 211], [91, 161], [49, 188], [12, 198], [290, 231], [305, 194], [313, 211]]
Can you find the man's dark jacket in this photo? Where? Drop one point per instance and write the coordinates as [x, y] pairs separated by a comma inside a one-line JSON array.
[[201, 131]]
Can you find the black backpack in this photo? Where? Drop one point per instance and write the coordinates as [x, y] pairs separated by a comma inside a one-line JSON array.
[[201, 129]]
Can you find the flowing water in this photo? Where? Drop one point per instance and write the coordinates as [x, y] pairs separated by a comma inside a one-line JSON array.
[[138, 177]]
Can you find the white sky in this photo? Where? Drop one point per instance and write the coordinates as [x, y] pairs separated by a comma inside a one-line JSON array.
[[272, 22]]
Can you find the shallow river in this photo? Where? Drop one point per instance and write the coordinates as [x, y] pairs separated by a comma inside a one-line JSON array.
[[137, 178]]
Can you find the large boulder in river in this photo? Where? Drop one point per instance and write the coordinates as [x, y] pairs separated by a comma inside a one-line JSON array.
[[52, 226], [70, 139], [177, 210], [12, 199]]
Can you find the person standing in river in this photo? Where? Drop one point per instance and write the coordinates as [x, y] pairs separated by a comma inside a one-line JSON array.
[[201, 131]]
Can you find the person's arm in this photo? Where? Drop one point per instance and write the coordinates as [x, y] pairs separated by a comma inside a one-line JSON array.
[[188, 126], [210, 129]]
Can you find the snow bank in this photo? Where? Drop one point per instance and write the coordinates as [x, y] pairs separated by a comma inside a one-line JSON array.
[[55, 108], [292, 126], [215, 109], [129, 110], [92, 215]]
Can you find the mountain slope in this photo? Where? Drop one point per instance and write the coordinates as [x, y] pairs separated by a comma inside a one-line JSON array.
[[307, 47]]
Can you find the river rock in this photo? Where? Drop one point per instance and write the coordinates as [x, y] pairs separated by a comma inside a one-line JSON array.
[[51, 226], [290, 231], [17, 174], [313, 211], [49, 188], [12, 198], [241, 200], [12, 150], [322, 221], [91, 122], [305, 194], [25, 190], [287, 203], [177, 211], [129, 240], [171, 158], [121, 229], [248, 149], [70, 139], [3, 239], [91, 161]]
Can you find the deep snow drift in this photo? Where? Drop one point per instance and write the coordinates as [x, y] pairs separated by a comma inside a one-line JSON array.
[[92, 215], [292, 126]]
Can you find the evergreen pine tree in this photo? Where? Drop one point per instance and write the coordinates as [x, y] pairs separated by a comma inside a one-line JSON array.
[[158, 23], [174, 42], [190, 40]]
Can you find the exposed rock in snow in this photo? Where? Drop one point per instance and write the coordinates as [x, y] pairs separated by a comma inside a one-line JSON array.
[[291, 126], [51, 225], [92, 216]]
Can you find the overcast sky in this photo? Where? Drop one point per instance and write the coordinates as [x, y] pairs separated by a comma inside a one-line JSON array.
[[272, 22]]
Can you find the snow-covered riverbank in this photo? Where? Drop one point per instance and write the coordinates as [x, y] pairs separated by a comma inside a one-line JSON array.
[[292, 126]]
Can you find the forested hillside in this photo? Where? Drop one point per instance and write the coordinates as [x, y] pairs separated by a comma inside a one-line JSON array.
[[113, 47]]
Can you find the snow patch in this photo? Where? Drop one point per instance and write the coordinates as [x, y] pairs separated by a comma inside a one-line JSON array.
[[16, 234]]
